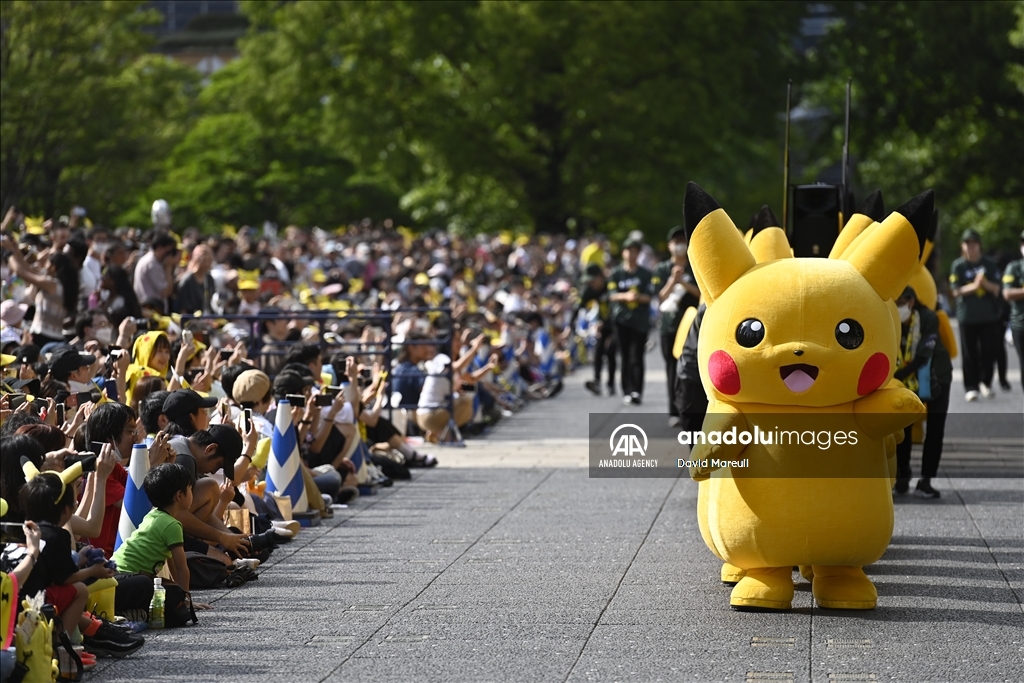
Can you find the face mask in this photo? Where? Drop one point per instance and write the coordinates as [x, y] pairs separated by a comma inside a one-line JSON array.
[[104, 294], [678, 249], [904, 313], [100, 247], [104, 335], [77, 387]]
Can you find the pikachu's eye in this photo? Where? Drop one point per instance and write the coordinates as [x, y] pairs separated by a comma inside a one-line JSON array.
[[849, 334], [750, 333]]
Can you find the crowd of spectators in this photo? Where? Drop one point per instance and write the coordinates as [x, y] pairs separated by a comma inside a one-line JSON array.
[[375, 341]]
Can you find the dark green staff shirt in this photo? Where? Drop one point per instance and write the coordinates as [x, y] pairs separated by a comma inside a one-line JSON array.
[[635, 315], [1014, 277], [980, 306]]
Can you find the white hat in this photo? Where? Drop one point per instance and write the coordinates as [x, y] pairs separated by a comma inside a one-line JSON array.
[[436, 365], [12, 313]]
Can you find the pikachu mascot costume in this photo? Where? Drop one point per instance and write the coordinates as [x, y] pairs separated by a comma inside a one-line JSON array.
[[790, 342]]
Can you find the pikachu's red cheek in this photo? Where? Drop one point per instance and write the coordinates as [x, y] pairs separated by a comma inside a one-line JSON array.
[[874, 374], [723, 373]]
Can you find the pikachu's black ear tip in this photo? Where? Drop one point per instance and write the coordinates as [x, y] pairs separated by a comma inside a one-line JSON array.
[[919, 212], [873, 207], [696, 204], [765, 219]]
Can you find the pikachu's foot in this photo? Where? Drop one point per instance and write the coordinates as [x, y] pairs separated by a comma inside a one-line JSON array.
[[765, 589], [731, 574], [843, 588], [807, 571]]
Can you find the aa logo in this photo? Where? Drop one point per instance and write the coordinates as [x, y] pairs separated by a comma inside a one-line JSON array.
[[629, 441]]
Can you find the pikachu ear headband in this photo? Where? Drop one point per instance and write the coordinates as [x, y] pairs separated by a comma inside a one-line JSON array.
[[66, 477]]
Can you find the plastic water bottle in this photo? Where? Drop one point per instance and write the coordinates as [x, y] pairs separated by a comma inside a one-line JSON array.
[[156, 606]]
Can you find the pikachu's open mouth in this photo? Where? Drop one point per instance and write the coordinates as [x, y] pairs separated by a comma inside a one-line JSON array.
[[798, 377]]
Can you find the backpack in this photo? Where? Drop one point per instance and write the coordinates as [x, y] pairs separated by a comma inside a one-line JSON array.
[[204, 571]]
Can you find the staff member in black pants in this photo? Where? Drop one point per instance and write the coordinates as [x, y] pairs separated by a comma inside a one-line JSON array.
[[919, 344], [630, 294], [677, 290], [974, 280], [595, 290]]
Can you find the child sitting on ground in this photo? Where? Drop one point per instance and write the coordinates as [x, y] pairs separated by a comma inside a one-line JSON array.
[[50, 503], [160, 537]]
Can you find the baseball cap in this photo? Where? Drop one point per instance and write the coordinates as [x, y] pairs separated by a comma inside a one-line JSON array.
[[229, 444], [291, 383], [971, 235], [592, 271], [632, 242], [182, 402], [11, 312], [64, 362], [675, 232], [250, 387]]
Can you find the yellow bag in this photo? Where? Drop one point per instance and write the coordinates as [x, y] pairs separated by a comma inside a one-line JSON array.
[[101, 598], [34, 641]]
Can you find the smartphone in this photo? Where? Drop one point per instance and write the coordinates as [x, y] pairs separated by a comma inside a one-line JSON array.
[[97, 446], [60, 413], [75, 400], [14, 401], [296, 400], [225, 354], [87, 459], [247, 420], [186, 337], [331, 391], [323, 400], [10, 532]]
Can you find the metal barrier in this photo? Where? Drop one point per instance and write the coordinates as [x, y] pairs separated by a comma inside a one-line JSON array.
[[380, 317]]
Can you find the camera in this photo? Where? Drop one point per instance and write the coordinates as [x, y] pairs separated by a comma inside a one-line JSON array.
[[87, 459], [78, 398], [145, 324], [11, 532]]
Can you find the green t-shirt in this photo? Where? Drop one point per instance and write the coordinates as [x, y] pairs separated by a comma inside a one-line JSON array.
[[980, 306], [1014, 277], [150, 546], [635, 315], [662, 274]]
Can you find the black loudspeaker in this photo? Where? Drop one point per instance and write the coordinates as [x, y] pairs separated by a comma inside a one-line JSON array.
[[816, 219]]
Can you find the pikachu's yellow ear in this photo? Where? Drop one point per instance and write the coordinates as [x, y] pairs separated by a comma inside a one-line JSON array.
[[929, 240], [768, 241], [716, 250], [886, 255], [870, 212], [29, 468]]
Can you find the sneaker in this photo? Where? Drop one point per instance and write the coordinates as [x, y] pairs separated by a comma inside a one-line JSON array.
[[110, 641], [1005, 386], [673, 421], [902, 486], [971, 395], [593, 387], [636, 399], [627, 400], [924, 490], [291, 525], [986, 391], [250, 562], [610, 391]]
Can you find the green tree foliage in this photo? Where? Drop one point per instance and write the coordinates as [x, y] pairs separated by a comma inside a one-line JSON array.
[[538, 115], [938, 102], [86, 116]]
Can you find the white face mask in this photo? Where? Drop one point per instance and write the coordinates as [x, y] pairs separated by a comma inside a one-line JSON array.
[[678, 248], [79, 386], [100, 247], [904, 313], [104, 294], [104, 335]]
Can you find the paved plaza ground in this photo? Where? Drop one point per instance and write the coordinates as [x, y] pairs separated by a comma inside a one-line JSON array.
[[508, 563]]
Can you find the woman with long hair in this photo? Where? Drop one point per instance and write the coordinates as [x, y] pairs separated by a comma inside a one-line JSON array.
[[116, 291], [147, 385], [56, 290]]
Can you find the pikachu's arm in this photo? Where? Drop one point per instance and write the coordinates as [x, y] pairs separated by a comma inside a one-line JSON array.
[[885, 411], [721, 417]]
